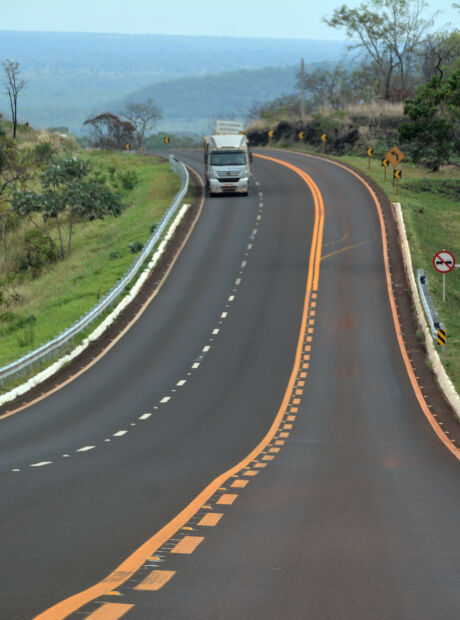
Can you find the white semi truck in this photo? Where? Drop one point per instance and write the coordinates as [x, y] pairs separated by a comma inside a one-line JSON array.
[[226, 160]]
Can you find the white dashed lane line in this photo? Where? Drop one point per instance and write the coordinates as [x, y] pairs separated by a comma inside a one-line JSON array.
[[182, 382]]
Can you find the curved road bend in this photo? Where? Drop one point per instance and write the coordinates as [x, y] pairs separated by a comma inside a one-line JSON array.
[[357, 513]]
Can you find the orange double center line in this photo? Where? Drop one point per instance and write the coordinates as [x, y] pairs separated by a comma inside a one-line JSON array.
[[129, 566]]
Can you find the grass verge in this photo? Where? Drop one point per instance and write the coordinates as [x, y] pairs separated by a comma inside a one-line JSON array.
[[101, 254]]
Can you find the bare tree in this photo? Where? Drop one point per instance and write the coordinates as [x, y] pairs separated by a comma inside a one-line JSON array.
[[143, 116], [388, 31], [13, 85]]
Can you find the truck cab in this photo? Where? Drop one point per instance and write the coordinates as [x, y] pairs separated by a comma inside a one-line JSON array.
[[226, 159]]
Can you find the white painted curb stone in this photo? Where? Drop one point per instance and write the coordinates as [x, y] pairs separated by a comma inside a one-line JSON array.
[[440, 372], [100, 329]]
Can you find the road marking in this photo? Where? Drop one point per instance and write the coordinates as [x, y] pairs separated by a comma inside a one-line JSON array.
[[85, 449], [231, 298], [274, 450], [119, 434], [290, 418], [195, 365], [136, 317], [211, 519], [284, 434], [267, 457], [206, 348], [215, 331], [223, 315], [156, 580], [243, 264], [250, 472], [227, 499], [110, 611], [145, 416], [165, 399], [254, 232], [65, 456], [280, 442], [16, 469], [133, 562], [402, 347], [288, 427], [181, 382], [239, 484], [249, 246], [41, 464], [188, 544], [237, 281]]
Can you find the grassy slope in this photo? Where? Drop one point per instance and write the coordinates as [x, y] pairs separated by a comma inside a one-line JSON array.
[[69, 288], [432, 224]]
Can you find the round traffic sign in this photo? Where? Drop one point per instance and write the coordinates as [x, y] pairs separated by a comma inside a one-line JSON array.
[[443, 261]]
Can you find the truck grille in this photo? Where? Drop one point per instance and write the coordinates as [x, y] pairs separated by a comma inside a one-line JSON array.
[[229, 179]]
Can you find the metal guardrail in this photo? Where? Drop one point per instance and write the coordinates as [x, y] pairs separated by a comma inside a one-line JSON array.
[[28, 362], [428, 305]]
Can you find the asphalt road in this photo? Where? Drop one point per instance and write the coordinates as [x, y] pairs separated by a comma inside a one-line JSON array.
[[356, 515]]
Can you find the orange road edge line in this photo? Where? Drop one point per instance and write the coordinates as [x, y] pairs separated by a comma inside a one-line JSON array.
[[410, 371], [136, 317], [129, 566]]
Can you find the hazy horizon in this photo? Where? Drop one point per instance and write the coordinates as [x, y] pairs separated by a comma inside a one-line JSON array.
[[296, 20]]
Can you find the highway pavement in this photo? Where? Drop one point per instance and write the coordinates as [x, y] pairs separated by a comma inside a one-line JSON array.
[[266, 379]]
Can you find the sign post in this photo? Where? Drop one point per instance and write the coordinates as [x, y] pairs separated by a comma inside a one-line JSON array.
[[397, 174], [444, 262], [385, 164], [323, 142], [370, 155]]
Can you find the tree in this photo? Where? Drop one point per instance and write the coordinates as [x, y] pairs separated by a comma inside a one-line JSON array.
[[440, 54], [68, 193], [432, 130], [110, 132], [13, 85], [388, 31], [144, 117], [16, 168]]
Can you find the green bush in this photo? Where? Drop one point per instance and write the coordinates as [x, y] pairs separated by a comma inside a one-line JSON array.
[[39, 251], [43, 153], [135, 247], [128, 179]]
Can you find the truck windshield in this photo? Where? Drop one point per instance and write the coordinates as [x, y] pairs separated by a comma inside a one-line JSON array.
[[228, 158]]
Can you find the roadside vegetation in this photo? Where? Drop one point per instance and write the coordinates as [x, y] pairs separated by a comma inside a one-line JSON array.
[[406, 92], [62, 247]]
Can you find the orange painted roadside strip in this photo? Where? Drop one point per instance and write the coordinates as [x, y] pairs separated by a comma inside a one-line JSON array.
[[129, 566], [410, 371], [156, 580]]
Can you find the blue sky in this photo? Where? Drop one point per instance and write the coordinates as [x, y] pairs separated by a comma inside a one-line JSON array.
[[249, 18]]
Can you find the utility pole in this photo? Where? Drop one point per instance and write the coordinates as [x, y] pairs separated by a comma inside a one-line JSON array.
[[302, 92]]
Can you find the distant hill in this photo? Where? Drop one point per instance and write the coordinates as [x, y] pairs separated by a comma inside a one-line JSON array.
[[68, 75], [190, 103]]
